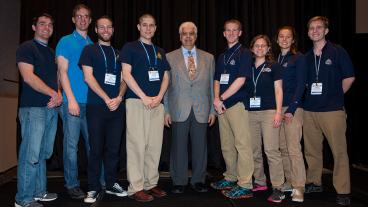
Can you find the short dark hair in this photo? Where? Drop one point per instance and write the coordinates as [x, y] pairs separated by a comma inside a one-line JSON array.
[[35, 19], [146, 16], [104, 17], [81, 6], [235, 21], [323, 19]]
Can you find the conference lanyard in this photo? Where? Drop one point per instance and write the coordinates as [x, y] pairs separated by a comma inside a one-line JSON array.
[[282, 59], [317, 66], [256, 80], [148, 57], [86, 39], [103, 53], [228, 60]]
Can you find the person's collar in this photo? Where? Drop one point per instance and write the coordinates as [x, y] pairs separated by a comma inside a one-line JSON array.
[[234, 47], [185, 51], [79, 36]]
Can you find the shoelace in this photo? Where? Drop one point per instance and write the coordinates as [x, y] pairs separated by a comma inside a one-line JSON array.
[[91, 193], [118, 187]]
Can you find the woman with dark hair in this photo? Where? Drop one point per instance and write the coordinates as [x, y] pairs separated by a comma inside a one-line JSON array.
[[294, 74], [264, 103]]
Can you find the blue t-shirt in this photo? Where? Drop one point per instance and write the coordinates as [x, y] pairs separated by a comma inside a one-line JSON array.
[[70, 47], [235, 61], [134, 54], [267, 74], [43, 60], [294, 75], [94, 56], [334, 66]]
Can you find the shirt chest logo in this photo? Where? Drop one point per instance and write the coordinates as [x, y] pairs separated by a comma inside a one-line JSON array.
[[267, 70], [232, 62], [328, 62]]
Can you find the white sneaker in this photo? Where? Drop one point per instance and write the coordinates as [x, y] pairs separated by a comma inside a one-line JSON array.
[[91, 197], [117, 190]]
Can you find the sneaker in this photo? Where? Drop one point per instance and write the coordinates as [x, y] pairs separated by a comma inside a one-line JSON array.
[[223, 184], [343, 199], [91, 197], [76, 193], [238, 192], [297, 195], [258, 187], [313, 188], [117, 190], [46, 197], [32, 204], [287, 188], [277, 196]]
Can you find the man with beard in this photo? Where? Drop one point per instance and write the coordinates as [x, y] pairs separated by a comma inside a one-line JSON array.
[[102, 73], [73, 111]]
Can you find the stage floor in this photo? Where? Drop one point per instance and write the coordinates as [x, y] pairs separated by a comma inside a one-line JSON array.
[[193, 199]]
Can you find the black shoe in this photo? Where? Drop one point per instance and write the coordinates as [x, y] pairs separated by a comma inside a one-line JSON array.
[[177, 189], [343, 199], [76, 193], [199, 187]]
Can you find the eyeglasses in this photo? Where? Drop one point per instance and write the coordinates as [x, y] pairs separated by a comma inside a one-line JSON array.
[[82, 16], [260, 46]]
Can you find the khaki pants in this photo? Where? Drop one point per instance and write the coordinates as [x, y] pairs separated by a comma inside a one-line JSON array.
[[291, 150], [236, 145], [261, 126], [333, 126], [144, 134]]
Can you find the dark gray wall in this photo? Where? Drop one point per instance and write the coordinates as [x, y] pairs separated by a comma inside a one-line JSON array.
[[9, 36]]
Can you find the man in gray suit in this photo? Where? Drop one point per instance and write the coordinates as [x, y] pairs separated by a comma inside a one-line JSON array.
[[189, 109]]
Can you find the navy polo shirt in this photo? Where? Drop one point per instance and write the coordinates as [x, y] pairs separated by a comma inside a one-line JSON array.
[[335, 66], [235, 61], [134, 54], [43, 60], [265, 85], [294, 78], [93, 56]]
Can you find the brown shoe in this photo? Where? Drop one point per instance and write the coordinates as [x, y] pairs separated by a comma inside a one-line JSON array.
[[157, 192], [141, 196]]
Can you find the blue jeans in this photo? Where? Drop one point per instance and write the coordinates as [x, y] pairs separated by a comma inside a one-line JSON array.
[[72, 126], [38, 128]]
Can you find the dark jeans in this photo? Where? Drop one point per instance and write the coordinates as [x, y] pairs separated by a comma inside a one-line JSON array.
[[105, 130]]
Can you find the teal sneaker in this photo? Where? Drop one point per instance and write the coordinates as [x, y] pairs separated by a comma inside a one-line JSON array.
[[238, 193], [223, 184]]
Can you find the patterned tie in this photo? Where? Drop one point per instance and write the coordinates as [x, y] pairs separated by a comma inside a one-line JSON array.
[[191, 66]]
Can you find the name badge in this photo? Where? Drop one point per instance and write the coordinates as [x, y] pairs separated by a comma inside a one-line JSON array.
[[316, 89], [224, 78], [110, 79], [255, 102], [153, 75]]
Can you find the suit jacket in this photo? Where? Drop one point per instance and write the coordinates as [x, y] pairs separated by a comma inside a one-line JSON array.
[[184, 94]]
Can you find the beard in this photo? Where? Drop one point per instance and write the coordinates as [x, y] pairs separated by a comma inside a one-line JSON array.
[[103, 38]]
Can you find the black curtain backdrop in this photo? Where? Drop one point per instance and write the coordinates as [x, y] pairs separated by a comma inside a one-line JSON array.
[[257, 16]]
